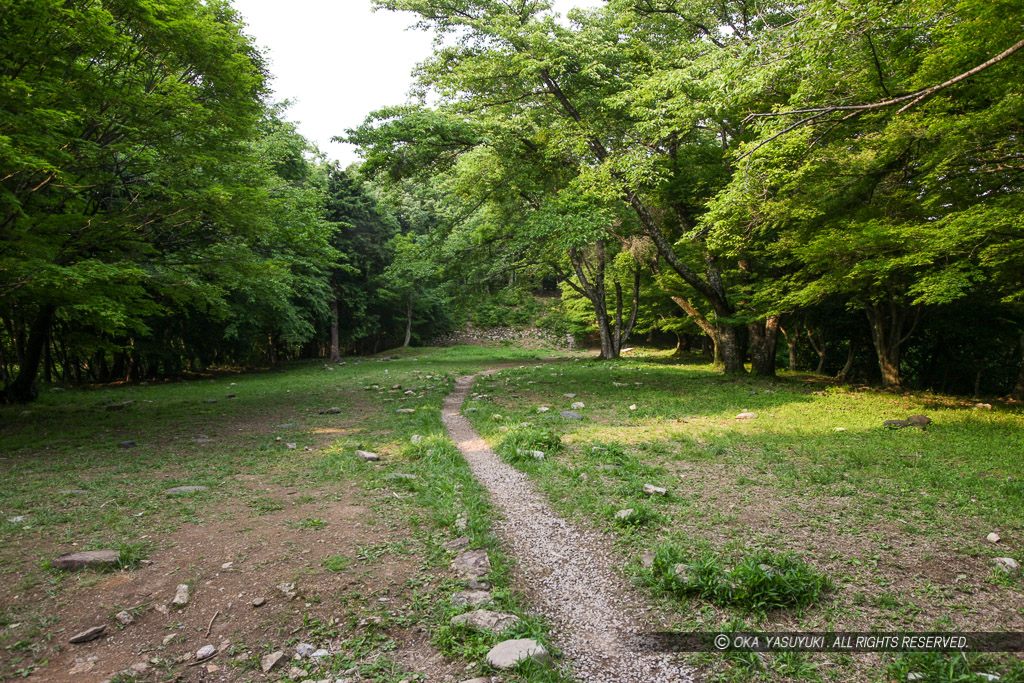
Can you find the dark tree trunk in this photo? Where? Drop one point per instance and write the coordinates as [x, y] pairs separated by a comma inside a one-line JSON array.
[[408, 322], [764, 336], [887, 322], [24, 388], [335, 349], [1018, 389], [791, 342], [594, 289], [847, 372], [820, 350]]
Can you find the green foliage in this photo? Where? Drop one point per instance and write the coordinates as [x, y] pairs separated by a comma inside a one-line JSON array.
[[519, 441]]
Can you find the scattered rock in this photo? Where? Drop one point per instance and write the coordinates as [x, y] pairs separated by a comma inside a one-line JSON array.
[[83, 667], [367, 456], [983, 406], [919, 421], [569, 395], [331, 411], [319, 654], [259, 602], [914, 676], [633, 406], [17, 520], [210, 400], [125, 618], [458, 543], [578, 405], [416, 438], [652, 490], [230, 396], [470, 598], [539, 455], [288, 590], [509, 653], [72, 492], [624, 514], [227, 565], [168, 639], [487, 620], [1007, 564], [205, 652], [896, 424], [93, 559], [472, 564], [183, 490], [993, 538], [268, 662], [461, 523], [88, 634], [181, 595], [681, 571], [405, 411], [119, 406], [127, 444], [746, 416], [139, 667], [571, 415], [647, 559], [291, 446], [304, 649], [297, 674], [478, 585]]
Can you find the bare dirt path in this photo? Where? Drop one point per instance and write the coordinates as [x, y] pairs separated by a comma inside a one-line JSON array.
[[595, 613]]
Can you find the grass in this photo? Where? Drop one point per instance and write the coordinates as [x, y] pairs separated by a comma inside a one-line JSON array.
[[857, 527]]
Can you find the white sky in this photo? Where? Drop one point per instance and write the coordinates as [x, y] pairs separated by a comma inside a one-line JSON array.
[[338, 60]]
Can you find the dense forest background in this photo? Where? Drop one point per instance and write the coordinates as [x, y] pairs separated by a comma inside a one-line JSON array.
[[819, 186]]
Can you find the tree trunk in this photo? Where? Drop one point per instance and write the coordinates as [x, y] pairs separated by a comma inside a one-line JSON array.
[[24, 388], [1018, 389], [408, 322], [791, 342], [764, 336], [335, 348], [887, 322], [594, 290], [847, 372], [820, 350], [622, 333]]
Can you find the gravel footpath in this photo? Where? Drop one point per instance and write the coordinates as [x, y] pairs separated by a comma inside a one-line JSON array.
[[594, 612]]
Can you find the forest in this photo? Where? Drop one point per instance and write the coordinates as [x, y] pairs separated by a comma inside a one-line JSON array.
[[833, 187]]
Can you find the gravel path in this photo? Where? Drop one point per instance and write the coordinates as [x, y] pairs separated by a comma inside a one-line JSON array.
[[594, 612]]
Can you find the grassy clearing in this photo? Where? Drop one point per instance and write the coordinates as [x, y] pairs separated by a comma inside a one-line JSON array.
[[277, 465], [857, 527]]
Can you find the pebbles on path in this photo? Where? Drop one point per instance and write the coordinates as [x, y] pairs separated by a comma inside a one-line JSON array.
[[595, 614]]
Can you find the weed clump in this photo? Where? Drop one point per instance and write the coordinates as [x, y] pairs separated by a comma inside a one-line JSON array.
[[759, 582], [521, 444]]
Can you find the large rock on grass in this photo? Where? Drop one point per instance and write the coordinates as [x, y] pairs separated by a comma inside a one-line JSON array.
[[509, 653], [487, 620], [91, 559]]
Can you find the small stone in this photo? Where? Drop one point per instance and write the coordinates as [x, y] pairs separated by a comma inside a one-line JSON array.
[[168, 639], [839, 429], [538, 455], [297, 674], [139, 667], [125, 618], [461, 523], [472, 564], [88, 634], [405, 411], [633, 406], [919, 421], [989, 677], [205, 652], [470, 598], [331, 411], [268, 662], [486, 620], [578, 405], [367, 456], [82, 668], [304, 649], [127, 444], [571, 415], [681, 571], [291, 446], [569, 395], [259, 602], [983, 406], [652, 490], [647, 559], [288, 590], [230, 396], [896, 424], [416, 438], [509, 653], [478, 585], [119, 406], [624, 514], [1007, 564], [320, 654], [210, 400], [93, 559], [914, 676], [746, 416], [543, 409], [17, 520], [227, 565], [181, 595], [993, 538], [183, 490], [458, 543]]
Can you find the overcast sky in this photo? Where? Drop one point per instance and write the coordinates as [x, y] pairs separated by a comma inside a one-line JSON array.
[[339, 61]]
